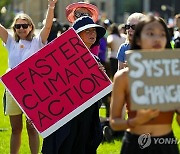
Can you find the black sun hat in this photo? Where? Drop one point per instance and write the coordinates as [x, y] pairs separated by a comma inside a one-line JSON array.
[[86, 22]]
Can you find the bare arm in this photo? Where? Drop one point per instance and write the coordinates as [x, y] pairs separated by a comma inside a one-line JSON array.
[[120, 95], [3, 33], [109, 43], [118, 99], [48, 21], [121, 65]]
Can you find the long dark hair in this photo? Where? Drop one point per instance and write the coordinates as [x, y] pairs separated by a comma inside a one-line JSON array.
[[145, 20]]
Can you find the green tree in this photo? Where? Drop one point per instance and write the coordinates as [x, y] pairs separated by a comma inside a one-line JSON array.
[[6, 16], [132, 6], [4, 3]]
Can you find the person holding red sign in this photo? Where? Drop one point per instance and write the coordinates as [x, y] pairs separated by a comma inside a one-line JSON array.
[[20, 46], [80, 9], [145, 127], [83, 134]]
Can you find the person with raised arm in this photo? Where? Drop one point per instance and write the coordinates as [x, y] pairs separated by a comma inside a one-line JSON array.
[[21, 45]]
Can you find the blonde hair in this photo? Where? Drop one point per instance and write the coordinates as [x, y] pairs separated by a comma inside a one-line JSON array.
[[27, 18], [136, 16]]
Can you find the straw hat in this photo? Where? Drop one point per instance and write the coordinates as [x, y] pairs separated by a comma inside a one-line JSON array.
[[72, 7]]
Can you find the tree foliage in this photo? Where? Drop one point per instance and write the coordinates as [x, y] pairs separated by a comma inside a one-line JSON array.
[[132, 6], [6, 17], [4, 3]]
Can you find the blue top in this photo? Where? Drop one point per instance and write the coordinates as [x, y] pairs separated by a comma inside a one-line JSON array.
[[121, 56]]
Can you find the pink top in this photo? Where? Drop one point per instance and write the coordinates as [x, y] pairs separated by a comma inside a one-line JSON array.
[[95, 50]]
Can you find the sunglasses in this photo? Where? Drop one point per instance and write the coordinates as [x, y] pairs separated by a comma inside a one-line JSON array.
[[79, 14], [18, 26], [130, 26]]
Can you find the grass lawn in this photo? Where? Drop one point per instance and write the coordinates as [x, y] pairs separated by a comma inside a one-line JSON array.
[[5, 130]]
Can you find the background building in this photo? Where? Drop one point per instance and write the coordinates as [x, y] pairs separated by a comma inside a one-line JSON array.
[[116, 10]]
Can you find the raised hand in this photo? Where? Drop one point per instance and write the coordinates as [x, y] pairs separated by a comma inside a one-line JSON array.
[[52, 3]]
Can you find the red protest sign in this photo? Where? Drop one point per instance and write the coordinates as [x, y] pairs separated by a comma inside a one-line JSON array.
[[57, 83]]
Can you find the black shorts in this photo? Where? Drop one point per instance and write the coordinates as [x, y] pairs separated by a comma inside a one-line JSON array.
[[145, 144]]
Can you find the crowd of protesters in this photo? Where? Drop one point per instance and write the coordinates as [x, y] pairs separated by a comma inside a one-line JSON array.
[[108, 43]]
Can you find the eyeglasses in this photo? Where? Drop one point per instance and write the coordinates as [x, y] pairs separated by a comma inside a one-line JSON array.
[[18, 26], [79, 14], [130, 26]]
